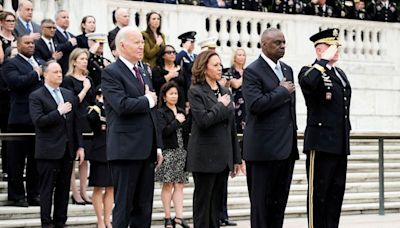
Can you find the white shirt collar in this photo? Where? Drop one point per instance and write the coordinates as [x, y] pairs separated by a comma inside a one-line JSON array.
[[47, 40], [26, 58], [271, 63], [61, 29], [50, 88], [24, 22], [128, 64]]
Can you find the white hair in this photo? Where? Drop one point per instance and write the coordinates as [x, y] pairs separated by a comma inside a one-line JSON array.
[[121, 36]]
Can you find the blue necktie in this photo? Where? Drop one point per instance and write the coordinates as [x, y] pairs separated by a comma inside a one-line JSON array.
[[278, 72], [28, 28]]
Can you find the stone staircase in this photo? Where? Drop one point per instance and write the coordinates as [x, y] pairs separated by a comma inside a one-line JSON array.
[[361, 191]]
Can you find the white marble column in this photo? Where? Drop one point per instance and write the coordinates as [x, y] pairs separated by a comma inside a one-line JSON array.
[[51, 9], [37, 11], [7, 6]]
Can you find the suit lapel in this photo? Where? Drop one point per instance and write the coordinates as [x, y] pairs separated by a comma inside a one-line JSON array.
[[208, 91], [286, 73], [47, 93], [268, 71], [129, 74], [24, 62]]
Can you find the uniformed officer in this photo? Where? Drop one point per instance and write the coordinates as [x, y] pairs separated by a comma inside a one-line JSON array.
[[319, 8], [287, 6], [360, 12], [327, 93], [252, 5], [96, 62], [383, 11], [208, 44], [342, 8], [186, 57]]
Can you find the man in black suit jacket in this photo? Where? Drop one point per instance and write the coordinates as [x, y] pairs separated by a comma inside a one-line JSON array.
[[132, 135], [58, 142], [121, 16], [327, 93], [45, 47], [270, 140], [24, 24], [22, 75], [66, 41]]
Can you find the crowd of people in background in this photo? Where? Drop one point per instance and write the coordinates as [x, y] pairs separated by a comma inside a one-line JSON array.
[[379, 10], [146, 101]]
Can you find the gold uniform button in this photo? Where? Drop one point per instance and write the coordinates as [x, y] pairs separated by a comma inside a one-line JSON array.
[[345, 98], [345, 116], [319, 124]]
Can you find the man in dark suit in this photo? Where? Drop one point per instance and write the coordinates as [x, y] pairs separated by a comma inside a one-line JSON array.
[[22, 75], [327, 94], [121, 17], [132, 135], [66, 41], [45, 47], [270, 140], [58, 142], [24, 24]]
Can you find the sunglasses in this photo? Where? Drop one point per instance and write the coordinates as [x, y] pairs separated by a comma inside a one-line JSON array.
[[170, 52]]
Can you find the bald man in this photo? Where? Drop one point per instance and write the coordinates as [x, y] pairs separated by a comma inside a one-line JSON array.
[[132, 135], [270, 140], [24, 24], [121, 19]]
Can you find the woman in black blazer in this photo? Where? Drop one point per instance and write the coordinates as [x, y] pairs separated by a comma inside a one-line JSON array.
[[213, 146], [171, 174]]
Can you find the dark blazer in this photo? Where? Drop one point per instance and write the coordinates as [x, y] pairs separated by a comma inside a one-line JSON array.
[[213, 145], [65, 47], [82, 41], [96, 117], [183, 59], [168, 125], [53, 131], [132, 126], [42, 51], [21, 80], [112, 34], [20, 29], [328, 122], [270, 132]]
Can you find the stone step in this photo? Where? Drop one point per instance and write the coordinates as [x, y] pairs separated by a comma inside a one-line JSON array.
[[235, 214], [238, 199]]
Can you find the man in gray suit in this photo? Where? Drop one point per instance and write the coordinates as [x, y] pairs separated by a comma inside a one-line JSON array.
[[25, 25], [270, 141]]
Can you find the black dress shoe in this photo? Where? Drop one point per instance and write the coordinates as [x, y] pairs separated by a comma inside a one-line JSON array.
[[34, 201], [226, 222], [18, 203]]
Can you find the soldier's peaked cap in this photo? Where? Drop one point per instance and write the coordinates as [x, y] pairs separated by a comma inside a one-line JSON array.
[[328, 36]]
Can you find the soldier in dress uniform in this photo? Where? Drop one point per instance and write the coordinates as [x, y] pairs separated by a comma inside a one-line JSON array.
[[319, 8], [96, 61], [252, 5], [209, 44], [360, 12], [286, 6], [327, 93], [342, 8], [186, 57], [382, 10]]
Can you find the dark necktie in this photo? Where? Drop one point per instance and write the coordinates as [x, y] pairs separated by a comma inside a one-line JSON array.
[[28, 28], [138, 75], [66, 34], [51, 47]]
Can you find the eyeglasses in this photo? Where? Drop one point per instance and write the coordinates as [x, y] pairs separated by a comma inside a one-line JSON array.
[[170, 52], [10, 21], [50, 27]]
